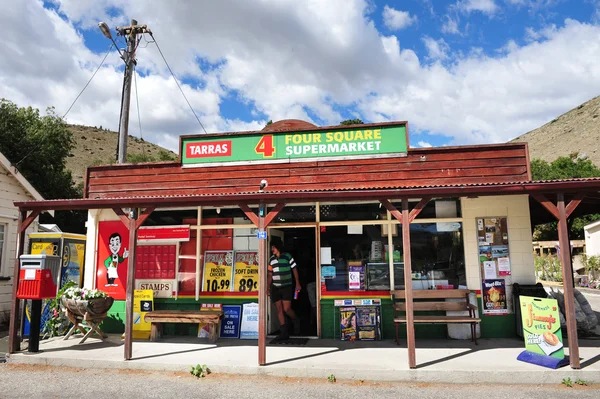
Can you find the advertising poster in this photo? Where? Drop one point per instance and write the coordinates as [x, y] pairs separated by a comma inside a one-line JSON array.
[[541, 326], [230, 325], [246, 271], [143, 302], [204, 328], [249, 325], [111, 261], [367, 318], [348, 323], [493, 296], [356, 276], [218, 271]]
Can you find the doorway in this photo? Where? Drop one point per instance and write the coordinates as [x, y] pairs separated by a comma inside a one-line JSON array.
[[301, 243]]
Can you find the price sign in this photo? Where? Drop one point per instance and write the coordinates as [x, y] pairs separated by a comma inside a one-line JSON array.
[[218, 271], [246, 271]]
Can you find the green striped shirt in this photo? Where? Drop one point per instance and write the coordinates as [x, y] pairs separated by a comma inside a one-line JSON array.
[[282, 269]]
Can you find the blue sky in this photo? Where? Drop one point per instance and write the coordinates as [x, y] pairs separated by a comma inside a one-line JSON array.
[[460, 72]]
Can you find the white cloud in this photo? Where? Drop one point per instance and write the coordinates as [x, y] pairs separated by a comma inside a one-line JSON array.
[[396, 19], [450, 26], [424, 144], [273, 57], [488, 7], [436, 49]]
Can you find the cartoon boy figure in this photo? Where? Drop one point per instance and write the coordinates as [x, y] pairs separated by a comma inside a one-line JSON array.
[[112, 262]]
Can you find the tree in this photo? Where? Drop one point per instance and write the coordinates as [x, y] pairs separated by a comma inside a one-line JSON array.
[[38, 147], [356, 121], [573, 166]]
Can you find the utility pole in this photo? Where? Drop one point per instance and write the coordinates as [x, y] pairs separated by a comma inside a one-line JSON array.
[[130, 33]]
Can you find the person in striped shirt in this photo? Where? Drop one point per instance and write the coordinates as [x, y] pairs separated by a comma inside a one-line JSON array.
[[281, 289]]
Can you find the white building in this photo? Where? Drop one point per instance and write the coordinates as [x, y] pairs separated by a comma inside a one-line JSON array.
[[13, 187], [592, 238]]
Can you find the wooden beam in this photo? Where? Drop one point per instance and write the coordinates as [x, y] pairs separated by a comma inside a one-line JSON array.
[[410, 316], [28, 220], [251, 215], [14, 341], [274, 212], [417, 209], [574, 203], [143, 216], [390, 207], [565, 257], [546, 203], [124, 218], [262, 294], [130, 286]]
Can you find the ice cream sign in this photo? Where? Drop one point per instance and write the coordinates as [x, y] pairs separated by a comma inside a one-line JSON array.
[[365, 141], [541, 326]]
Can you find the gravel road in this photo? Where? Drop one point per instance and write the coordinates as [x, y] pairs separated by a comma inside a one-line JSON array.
[[22, 381]]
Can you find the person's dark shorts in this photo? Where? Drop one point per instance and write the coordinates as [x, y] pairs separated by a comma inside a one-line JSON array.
[[282, 293]]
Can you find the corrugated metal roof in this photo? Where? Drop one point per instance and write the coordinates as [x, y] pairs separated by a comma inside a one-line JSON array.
[[523, 187]]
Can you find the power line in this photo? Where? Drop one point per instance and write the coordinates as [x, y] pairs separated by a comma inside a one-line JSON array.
[[86, 85], [137, 100], [172, 74]]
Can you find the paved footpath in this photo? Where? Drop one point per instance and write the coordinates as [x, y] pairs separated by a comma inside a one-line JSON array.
[[27, 381]]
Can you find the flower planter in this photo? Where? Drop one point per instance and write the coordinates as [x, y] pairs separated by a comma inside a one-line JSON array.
[[93, 307]]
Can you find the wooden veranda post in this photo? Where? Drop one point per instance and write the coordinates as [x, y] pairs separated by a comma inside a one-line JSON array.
[[262, 221], [132, 221], [130, 284], [405, 218], [565, 257], [14, 343], [410, 317], [562, 212], [262, 289]]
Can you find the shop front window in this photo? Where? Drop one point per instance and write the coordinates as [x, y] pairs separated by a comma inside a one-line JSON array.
[[437, 256], [349, 256]]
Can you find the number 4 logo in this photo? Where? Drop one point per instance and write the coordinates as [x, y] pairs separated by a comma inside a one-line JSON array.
[[265, 146]]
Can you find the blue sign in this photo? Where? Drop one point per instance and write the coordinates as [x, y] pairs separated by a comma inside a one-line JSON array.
[[262, 235], [230, 325]]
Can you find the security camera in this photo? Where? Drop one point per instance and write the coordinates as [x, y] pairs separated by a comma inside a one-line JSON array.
[[263, 185]]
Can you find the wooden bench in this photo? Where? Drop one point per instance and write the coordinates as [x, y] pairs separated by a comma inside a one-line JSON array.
[[435, 301], [158, 317]]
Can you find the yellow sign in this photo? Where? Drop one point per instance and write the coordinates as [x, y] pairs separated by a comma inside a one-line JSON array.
[[218, 271], [143, 302], [48, 248], [246, 271]]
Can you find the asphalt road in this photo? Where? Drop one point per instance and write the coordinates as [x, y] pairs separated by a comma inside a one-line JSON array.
[[20, 381]]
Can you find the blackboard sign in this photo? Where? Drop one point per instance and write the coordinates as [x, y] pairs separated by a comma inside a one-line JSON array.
[[230, 325]]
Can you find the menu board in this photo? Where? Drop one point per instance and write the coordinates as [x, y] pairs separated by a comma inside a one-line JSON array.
[[541, 326], [218, 271], [494, 262]]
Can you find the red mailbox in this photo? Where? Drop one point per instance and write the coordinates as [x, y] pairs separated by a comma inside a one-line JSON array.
[[38, 277]]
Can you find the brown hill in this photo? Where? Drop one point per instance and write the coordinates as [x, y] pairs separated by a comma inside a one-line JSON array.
[[575, 131], [97, 146]]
